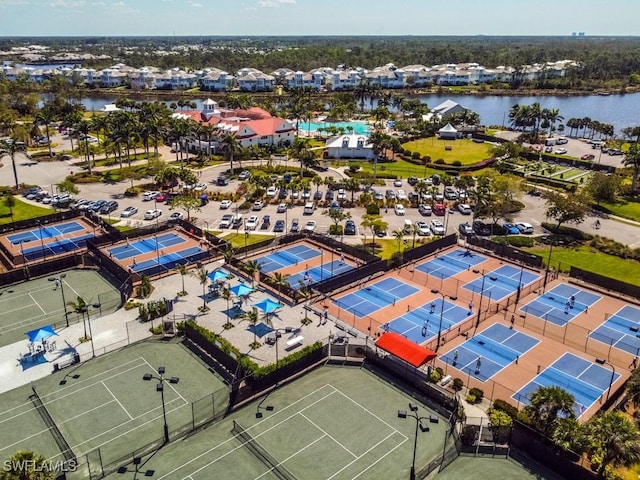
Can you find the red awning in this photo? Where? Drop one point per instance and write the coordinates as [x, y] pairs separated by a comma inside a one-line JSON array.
[[405, 349]]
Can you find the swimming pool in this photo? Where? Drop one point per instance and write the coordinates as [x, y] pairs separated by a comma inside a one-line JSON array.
[[360, 128]]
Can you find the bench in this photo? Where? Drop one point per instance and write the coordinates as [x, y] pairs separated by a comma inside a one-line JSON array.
[[295, 341], [445, 380]]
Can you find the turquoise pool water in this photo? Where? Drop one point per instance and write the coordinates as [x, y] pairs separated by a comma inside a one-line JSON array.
[[358, 127]]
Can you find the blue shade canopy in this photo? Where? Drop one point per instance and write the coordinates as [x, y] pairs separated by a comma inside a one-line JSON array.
[[41, 333], [218, 275], [267, 305], [260, 329], [240, 290]]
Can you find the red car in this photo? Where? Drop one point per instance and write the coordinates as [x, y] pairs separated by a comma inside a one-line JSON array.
[[439, 210], [587, 156], [161, 197]]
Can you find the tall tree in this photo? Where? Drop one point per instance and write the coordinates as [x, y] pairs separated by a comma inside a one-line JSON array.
[[567, 208], [9, 149], [27, 465], [632, 159], [202, 275], [547, 405], [614, 440]]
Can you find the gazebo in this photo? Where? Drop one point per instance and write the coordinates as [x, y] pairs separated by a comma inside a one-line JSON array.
[[448, 132]]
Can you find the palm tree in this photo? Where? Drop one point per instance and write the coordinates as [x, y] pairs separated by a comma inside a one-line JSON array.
[[632, 388], [280, 280], [547, 404], [9, 149], [44, 117], [80, 306], [399, 236], [226, 294], [614, 439], [632, 159], [27, 465], [201, 274], [252, 267], [182, 270], [252, 316], [230, 146]]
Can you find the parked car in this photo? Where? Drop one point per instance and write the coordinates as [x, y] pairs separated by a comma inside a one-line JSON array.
[[401, 195], [279, 226], [129, 211], [439, 210], [149, 196], [266, 221], [350, 227], [63, 199], [295, 195], [464, 209], [422, 228], [481, 228], [317, 195], [272, 192], [425, 210], [399, 209], [295, 225], [390, 194], [525, 227], [560, 151], [222, 181], [257, 205], [450, 193], [342, 195], [329, 195], [397, 182], [244, 175], [465, 229], [437, 227], [109, 207], [77, 203], [161, 197], [310, 226], [306, 194], [199, 187], [226, 221], [548, 149], [380, 232], [510, 228], [412, 181], [282, 207], [587, 156], [282, 194], [225, 204], [378, 195], [97, 205], [615, 152], [252, 223], [151, 214], [175, 216]]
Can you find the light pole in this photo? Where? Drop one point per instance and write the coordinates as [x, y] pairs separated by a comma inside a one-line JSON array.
[[413, 412], [160, 388], [278, 335], [85, 311], [602, 361], [246, 237], [64, 303], [516, 252], [41, 239], [546, 272], [443, 296]]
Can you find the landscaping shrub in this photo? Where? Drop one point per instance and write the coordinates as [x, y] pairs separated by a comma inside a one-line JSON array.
[[407, 153], [373, 209], [506, 407], [472, 399], [458, 383], [435, 376], [573, 233], [439, 161], [335, 229], [476, 392], [469, 435], [456, 163], [415, 155]]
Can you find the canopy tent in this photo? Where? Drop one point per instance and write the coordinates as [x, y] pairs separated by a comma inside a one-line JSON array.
[[267, 305], [240, 290], [405, 349], [218, 275], [41, 333], [448, 132]]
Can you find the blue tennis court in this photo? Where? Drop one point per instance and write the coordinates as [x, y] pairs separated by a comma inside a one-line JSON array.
[[621, 330], [496, 347], [168, 261], [56, 247], [556, 305], [374, 297], [50, 231], [452, 263], [145, 245], [421, 324], [286, 258], [585, 380], [317, 274], [501, 282]]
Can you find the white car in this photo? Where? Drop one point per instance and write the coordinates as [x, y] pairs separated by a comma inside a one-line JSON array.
[[257, 205], [282, 208], [560, 151], [437, 227], [129, 211], [464, 209], [272, 191], [151, 214], [524, 227], [401, 195], [310, 226], [200, 187], [252, 222], [148, 196], [342, 195], [225, 204], [425, 210], [422, 229], [397, 183], [399, 209], [226, 221]]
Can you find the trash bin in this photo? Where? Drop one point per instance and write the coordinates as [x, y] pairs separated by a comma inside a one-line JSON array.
[[55, 367], [76, 357]]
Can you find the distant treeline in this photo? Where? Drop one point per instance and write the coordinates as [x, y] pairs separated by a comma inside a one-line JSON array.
[[605, 60]]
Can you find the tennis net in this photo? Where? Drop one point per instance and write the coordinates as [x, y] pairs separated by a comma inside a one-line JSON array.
[[453, 261], [252, 444], [55, 431], [506, 280], [378, 293], [564, 301]]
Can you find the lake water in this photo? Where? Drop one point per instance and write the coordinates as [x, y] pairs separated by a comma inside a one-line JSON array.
[[618, 110]]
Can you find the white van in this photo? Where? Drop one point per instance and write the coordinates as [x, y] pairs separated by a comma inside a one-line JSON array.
[[309, 208], [408, 227], [550, 142]]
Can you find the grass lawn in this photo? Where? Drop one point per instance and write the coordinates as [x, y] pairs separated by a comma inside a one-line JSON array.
[[400, 168], [628, 207], [237, 240], [22, 211], [466, 151], [591, 260]]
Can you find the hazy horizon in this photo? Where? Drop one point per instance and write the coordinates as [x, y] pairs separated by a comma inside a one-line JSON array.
[[248, 18]]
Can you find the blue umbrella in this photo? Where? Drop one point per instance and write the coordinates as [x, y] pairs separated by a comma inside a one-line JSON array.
[[267, 305], [41, 333], [241, 290], [218, 275]]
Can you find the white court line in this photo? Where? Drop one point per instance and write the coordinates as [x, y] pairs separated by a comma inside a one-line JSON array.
[[383, 456], [170, 384], [291, 456], [25, 438], [37, 304], [116, 399], [207, 452], [327, 434]]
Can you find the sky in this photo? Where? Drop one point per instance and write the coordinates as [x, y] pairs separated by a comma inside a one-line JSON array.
[[317, 17]]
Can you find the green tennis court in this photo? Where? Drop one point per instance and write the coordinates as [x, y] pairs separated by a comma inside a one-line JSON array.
[[105, 404], [479, 468], [36, 303], [333, 423]]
